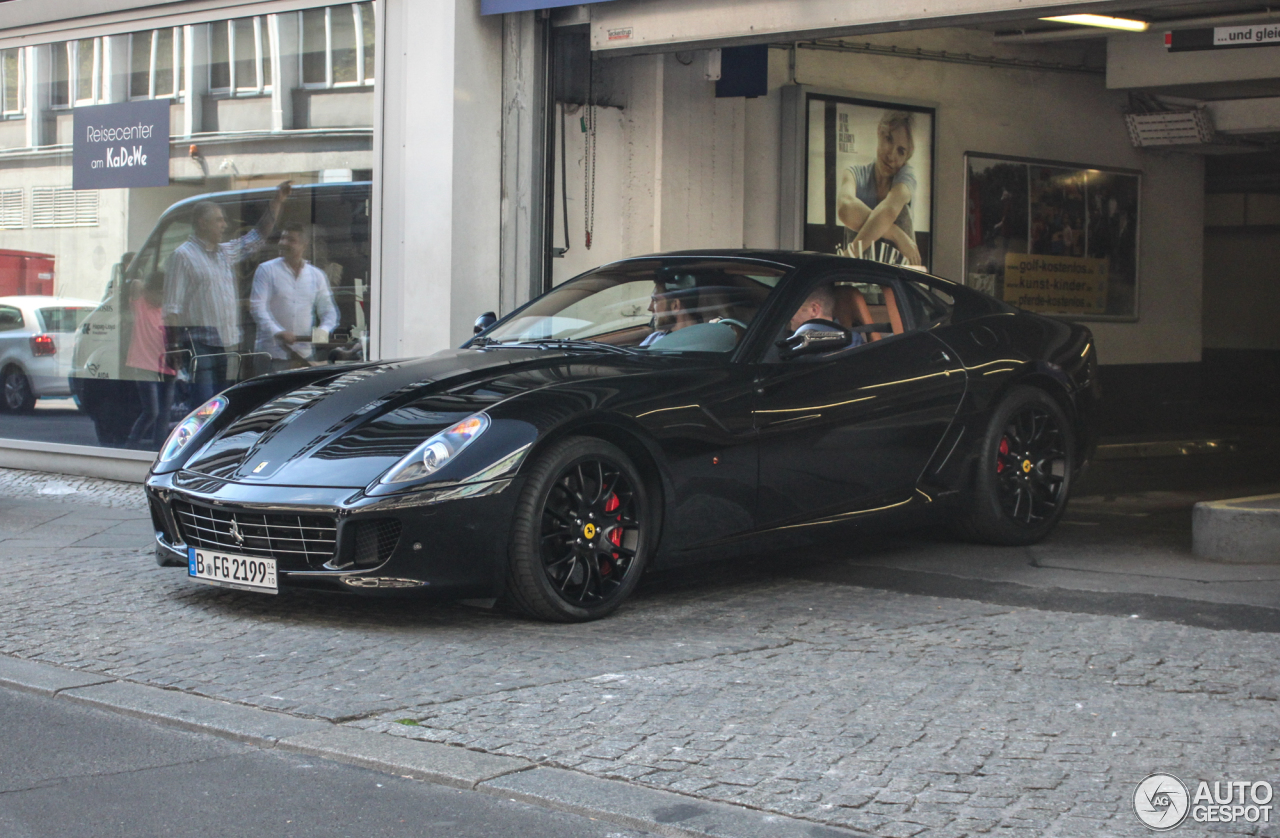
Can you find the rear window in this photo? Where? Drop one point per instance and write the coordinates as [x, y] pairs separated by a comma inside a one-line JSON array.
[[62, 318]]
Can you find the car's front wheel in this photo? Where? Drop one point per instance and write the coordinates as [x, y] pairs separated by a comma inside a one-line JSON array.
[[1023, 473], [581, 533], [16, 391]]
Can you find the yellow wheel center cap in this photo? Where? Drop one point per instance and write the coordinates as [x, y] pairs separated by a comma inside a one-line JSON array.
[[589, 531], [1026, 466]]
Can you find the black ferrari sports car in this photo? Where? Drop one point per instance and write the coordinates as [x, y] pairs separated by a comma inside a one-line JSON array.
[[655, 411]]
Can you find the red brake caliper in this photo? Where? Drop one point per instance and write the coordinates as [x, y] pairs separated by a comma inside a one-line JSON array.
[[1004, 451], [615, 534]]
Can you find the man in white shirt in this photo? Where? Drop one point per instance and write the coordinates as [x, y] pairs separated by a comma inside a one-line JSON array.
[[289, 293], [201, 297]]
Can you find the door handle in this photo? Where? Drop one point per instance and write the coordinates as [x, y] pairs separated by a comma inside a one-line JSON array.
[[941, 357]]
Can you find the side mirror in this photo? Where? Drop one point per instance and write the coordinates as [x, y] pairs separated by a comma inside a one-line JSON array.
[[484, 321], [815, 337]]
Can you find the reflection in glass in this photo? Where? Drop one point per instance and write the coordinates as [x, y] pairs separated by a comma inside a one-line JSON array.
[[315, 45], [86, 54], [11, 79], [140, 58], [61, 92], [264, 47], [367, 39], [85, 275], [219, 56], [342, 33], [244, 36], [163, 50]]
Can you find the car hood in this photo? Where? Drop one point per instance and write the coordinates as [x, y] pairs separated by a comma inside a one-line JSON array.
[[347, 429]]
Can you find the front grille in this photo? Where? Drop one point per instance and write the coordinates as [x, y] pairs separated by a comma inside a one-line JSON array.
[[296, 541]]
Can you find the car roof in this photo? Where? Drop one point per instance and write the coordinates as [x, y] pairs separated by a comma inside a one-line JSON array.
[[793, 259], [266, 192], [44, 301]]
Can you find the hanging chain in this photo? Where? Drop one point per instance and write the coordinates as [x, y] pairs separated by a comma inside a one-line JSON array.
[[589, 159]]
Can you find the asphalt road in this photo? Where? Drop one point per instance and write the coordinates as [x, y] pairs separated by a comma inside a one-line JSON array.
[[53, 420], [68, 771]]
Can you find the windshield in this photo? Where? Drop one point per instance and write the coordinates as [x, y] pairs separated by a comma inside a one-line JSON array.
[[658, 305], [64, 318]]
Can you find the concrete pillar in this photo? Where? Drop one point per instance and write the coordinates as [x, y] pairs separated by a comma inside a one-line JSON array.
[[195, 76], [39, 73], [282, 31]]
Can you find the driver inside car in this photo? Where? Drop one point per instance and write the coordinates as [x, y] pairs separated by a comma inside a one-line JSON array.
[[674, 305], [818, 310]]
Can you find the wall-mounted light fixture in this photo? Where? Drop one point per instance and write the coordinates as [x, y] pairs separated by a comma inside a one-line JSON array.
[[1124, 23]]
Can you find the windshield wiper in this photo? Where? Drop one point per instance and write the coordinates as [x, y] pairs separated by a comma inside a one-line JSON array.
[[570, 343]]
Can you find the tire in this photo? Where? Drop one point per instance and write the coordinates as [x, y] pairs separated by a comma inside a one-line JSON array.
[[1023, 474], [16, 395], [113, 406], [581, 534]]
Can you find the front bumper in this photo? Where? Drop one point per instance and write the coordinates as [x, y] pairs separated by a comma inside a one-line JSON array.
[[452, 540]]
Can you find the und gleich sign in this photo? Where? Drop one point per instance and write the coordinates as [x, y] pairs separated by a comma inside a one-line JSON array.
[[121, 146]]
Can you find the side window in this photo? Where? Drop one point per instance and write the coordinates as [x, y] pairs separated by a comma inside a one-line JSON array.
[[10, 318], [178, 231], [929, 307], [158, 249], [869, 308]]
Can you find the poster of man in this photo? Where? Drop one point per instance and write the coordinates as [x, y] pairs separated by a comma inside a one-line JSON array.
[[869, 180], [1053, 238]]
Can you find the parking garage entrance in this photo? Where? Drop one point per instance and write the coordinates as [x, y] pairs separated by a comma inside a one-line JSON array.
[[1027, 149]]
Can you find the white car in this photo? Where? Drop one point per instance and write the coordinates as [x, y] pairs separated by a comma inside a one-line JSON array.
[[37, 340]]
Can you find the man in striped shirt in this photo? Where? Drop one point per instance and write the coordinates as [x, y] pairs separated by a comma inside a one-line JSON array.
[[201, 300], [288, 294]]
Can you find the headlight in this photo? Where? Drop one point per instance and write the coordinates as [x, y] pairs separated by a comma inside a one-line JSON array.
[[191, 426], [431, 456]]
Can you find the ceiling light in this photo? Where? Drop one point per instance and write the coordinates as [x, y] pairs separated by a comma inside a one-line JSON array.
[[1102, 20]]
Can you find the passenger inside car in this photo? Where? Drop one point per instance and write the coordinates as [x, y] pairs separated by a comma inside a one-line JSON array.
[[674, 306]]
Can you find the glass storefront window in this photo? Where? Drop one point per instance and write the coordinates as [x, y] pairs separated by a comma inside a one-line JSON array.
[[122, 309]]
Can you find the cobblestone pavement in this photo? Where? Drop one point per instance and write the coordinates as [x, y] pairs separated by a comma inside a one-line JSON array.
[[891, 713]]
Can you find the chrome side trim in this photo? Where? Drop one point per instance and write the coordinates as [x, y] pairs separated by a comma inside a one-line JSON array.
[[179, 550]]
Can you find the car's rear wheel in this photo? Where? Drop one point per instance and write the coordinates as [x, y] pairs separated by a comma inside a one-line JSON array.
[[1024, 471], [15, 389], [580, 538]]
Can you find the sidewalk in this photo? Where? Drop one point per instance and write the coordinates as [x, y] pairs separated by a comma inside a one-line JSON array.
[[766, 687]]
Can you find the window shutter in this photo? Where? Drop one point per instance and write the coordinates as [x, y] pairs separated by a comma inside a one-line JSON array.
[[62, 206], [12, 213]]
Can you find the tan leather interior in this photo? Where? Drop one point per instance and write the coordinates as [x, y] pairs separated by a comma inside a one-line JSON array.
[[852, 310], [895, 316]]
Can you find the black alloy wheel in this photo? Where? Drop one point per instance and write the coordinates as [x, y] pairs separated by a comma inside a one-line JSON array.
[[1024, 471], [579, 536], [18, 396], [1031, 466]]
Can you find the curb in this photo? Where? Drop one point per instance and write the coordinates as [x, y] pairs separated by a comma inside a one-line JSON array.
[[1239, 530], [610, 801]]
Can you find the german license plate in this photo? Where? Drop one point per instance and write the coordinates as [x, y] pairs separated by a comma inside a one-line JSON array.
[[229, 570]]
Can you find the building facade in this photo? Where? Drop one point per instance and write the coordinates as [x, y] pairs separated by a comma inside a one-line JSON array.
[[452, 157]]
